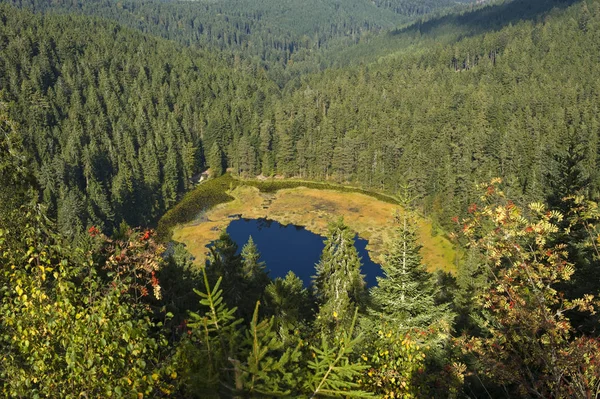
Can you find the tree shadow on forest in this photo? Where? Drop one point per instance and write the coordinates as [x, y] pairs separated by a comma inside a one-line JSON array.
[[488, 18]]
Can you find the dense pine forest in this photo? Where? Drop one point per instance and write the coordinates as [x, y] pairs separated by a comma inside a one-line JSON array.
[[482, 118], [116, 122], [277, 36]]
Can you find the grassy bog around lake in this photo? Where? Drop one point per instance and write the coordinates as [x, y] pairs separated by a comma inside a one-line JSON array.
[[206, 211]]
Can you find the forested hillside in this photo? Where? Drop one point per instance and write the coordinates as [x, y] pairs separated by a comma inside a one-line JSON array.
[[281, 36], [445, 29], [472, 97], [405, 7], [484, 119], [116, 123], [521, 103]]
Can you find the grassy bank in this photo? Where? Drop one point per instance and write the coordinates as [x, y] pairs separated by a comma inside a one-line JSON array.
[[271, 186], [214, 192]]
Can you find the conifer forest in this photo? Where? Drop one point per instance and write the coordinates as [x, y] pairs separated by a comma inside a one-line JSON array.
[[124, 121]]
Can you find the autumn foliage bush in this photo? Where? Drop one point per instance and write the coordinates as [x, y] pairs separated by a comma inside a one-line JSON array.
[[76, 320], [528, 343]]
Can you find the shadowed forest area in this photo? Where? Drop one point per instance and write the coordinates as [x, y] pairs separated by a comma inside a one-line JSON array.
[[490, 17]]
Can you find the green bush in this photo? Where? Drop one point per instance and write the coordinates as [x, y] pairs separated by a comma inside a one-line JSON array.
[[203, 197]]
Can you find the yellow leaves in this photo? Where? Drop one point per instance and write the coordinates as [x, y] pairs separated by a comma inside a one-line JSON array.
[[459, 370], [567, 271], [500, 214], [155, 377], [545, 226], [585, 304], [521, 220], [537, 207], [44, 270], [540, 241], [554, 214]]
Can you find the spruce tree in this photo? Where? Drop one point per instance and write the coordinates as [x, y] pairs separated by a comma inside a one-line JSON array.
[[215, 160], [250, 260], [338, 284], [405, 296], [291, 304], [253, 269], [224, 262]]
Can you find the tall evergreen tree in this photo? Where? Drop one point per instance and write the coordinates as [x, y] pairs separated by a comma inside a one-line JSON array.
[[405, 296], [215, 160], [338, 284], [254, 270], [171, 178], [224, 262]]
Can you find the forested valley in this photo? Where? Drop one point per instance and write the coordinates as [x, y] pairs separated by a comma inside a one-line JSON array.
[[482, 118]]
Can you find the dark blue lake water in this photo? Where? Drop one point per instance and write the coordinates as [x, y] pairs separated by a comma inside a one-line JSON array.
[[294, 248]]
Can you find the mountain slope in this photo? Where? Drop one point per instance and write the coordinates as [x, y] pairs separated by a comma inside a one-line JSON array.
[[521, 103], [115, 122], [274, 34]]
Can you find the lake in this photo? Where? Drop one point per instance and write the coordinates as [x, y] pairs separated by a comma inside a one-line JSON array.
[[285, 248]]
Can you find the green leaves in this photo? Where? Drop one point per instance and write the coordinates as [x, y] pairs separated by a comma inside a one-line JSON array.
[[218, 317], [270, 368], [72, 331], [261, 363]]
